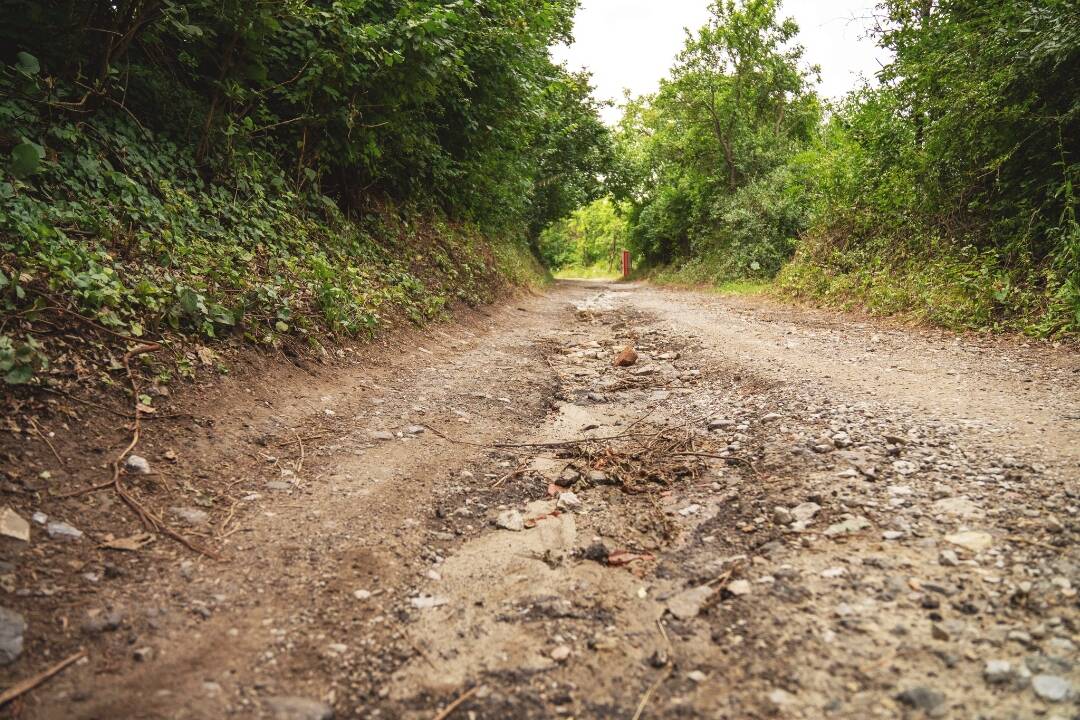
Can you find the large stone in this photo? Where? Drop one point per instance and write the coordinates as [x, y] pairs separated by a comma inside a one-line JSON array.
[[626, 357], [921, 698], [12, 627], [510, 520], [805, 512], [13, 525], [1050, 688]]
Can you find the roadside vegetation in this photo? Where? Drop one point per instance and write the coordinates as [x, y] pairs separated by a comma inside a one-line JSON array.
[[276, 172], [947, 191]]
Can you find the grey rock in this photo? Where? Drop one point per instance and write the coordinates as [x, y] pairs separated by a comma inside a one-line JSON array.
[[688, 603], [847, 527], [805, 512], [921, 698], [510, 520], [99, 621], [415, 429], [298, 708], [279, 485], [12, 628], [1050, 688], [137, 464], [63, 531], [948, 558], [721, 424], [143, 654], [597, 476], [781, 516], [569, 501], [998, 672], [382, 435]]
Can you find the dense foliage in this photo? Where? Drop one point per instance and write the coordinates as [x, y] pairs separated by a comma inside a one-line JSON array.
[[705, 158], [265, 166], [947, 189], [587, 243]]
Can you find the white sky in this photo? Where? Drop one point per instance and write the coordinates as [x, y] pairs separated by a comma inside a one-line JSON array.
[[633, 43]]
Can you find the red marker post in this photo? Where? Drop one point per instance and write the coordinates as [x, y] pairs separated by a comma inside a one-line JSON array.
[[626, 263]]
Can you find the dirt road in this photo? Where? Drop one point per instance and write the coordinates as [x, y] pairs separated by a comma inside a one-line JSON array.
[[772, 512]]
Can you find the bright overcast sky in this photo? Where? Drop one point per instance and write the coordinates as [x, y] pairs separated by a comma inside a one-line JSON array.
[[632, 43]]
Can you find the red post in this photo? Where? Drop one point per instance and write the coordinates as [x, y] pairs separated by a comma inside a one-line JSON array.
[[626, 263]]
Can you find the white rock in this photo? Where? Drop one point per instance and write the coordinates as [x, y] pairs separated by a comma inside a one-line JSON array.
[[739, 587], [510, 520], [691, 509], [805, 512], [560, 653], [974, 541], [1050, 688], [63, 531], [426, 602], [361, 594], [697, 676], [568, 501], [847, 527], [688, 603], [137, 464]]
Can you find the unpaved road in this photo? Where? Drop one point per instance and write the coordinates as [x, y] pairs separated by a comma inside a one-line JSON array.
[[794, 514]]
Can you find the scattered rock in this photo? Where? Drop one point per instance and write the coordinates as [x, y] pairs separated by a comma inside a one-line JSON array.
[[568, 501], [998, 672], [298, 708], [739, 588], [769, 417], [691, 509], [1050, 688], [143, 654], [626, 357], [137, 464], [510, 520], [805, 512], [426, 602], [959, 506], [12, 628], [688, 603], [99, 621], [13, 525], [40, 518], [974, 541], [847, 527], [948, 558], [782, 516], [721, 424], [63, 531], [697, 676], [381, 435], [921, 698], [361, 594], [560, 653], [904, 467], [415, 429]]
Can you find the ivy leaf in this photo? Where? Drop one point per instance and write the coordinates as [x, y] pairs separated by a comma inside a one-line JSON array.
[[26, 159], [19, 375], [27, 63], [281, 326]]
